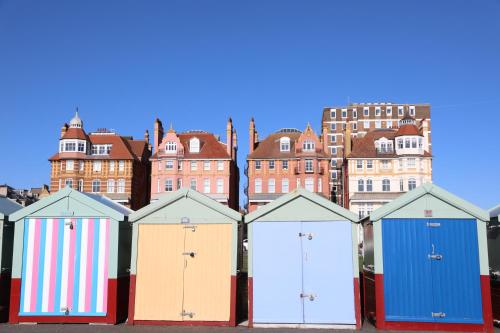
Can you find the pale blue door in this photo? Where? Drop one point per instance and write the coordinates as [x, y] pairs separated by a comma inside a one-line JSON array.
[[455, 271], [277, 272], [328, 291]]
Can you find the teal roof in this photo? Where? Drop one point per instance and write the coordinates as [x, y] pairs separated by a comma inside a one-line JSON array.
[[437, 192], [8, 207], [495, 212], [300, 192], [100, 203], [169, 198]]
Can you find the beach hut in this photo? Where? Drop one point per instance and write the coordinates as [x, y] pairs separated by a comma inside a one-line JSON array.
[[7, 207], [71, 259], [184, 259], [426, 263], [494, 258], [303, 264]]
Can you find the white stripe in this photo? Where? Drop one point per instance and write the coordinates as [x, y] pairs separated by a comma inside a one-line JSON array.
[[83, 265], [65, 263], [29, 265], [46, 266], [100, 265]]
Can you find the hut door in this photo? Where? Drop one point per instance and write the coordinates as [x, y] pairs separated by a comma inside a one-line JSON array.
[[65, 267], [207, 272], [455, 271], [328, 285]]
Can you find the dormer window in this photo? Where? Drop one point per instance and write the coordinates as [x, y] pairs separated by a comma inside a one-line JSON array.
[[194, 145], [308, 145], [101, 149], [285, 144], [72, 146], [171, 147]]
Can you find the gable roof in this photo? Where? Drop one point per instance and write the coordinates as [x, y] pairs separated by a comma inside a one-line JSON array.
[[8, 207], [435, 191], [210, 147], [106, 206], [300, 192], [170, 198]]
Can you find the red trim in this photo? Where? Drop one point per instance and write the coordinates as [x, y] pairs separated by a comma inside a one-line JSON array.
[[357, 303], [232, 310], [416, 326], [369, 295], [250, 301], [117, 290]]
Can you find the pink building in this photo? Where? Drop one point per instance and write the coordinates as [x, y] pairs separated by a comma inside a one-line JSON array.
[[198, 160], [284, 161]]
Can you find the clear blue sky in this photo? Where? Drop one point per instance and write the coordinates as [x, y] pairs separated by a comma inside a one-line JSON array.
[[195, 63]]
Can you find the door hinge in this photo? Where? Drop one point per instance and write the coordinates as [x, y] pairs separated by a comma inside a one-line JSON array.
[[433, 224], [308, 235], [192, 227], [184, 313], [310, 296], [191, 254], [438, 314]]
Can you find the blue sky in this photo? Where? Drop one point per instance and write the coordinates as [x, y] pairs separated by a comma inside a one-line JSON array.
[[195, 63]]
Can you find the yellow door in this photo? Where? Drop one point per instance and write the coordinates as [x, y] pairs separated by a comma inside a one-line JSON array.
[[207, 275], [160, 266]]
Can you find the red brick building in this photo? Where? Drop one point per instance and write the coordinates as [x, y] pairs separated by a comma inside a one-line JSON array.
[[102, 162], [283, 161], [198, 160]]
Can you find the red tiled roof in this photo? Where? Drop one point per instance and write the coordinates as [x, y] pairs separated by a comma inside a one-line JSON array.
[[269, 148], [75, 133], [408, 129]]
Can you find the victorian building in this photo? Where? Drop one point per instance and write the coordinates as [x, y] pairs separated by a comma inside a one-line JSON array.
[[102, 162], [284, 161], [197, 160], [386, 163], [360, 119]]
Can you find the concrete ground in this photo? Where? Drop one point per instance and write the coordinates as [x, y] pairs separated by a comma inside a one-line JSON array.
[[77, 328]]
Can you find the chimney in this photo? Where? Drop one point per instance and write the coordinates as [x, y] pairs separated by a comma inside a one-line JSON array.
[[253, 136], [64, 129], [235, 144], [146, 138], [158, 135], [324, 138], [229, 137], [347, 141]]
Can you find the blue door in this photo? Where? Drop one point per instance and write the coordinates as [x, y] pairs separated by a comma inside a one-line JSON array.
[[455, 271], [431, 270], [407, 270], [277, 273], [328, 285]]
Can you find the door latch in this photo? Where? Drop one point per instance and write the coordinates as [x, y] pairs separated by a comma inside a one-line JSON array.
[[65, 310], [435, 256], [310, 296], [433, 224], [191, 254], [438, 314], [192, 227], [187, 314], [308, 235], [69, 223]]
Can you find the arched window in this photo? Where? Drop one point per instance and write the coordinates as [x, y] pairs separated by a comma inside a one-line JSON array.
[[369, 185], [361, 185], [285, 144], [386, 185], [412, 183], [171, 147], [69, 182], [194, 145]]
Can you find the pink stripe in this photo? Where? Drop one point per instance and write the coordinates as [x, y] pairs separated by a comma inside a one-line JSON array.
[[105, 287], [71, 265], [34, 269], [90, 250], [53, 263]]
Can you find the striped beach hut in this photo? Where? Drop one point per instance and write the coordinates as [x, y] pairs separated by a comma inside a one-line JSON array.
[[426, 264], [303, 266], [7, 207], [70, 263], [494, 257], [184, 262]]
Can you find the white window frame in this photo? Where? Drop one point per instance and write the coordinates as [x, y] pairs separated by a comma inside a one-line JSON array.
[[194, 165], [120, 188], [169, 185], [258, 185], [96, 186], [308, 166], [96, 166], [206, 185], [194, 145], [206, 165], [271, 185], [169, 164], [171, 147], [220, 185], [70, 165], [110, 186], [308, 145], [121, 166], [285, 185], [285, 144], [220, 165]]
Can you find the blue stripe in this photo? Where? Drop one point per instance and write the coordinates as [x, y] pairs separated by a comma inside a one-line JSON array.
[[95, 260], [25, 259], [60, 240], [41, 264], [76, 285]]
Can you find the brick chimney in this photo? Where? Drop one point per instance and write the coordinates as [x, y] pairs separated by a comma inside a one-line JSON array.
[[253, 136], [235, 144], [229, 137], [348, 141], [64, 129], [324, 138], [158, 134]]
